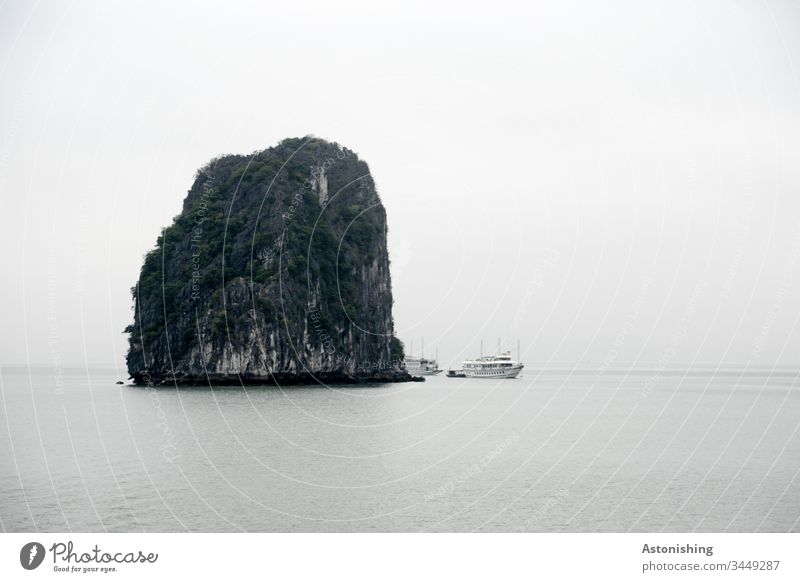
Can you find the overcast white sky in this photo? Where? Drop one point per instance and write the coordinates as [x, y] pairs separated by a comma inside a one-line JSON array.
[[607, 181]]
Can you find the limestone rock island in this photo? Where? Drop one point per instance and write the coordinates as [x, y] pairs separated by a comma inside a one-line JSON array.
[[275, 271]]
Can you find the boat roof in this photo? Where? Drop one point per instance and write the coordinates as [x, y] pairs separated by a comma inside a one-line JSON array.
[[506, 356]]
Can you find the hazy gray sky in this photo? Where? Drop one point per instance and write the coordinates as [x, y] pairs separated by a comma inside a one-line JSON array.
[[608, 181]]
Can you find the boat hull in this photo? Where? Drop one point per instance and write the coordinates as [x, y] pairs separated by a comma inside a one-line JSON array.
[[493, 374], [414, 372]]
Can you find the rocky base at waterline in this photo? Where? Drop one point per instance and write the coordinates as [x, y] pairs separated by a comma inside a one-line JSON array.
[[278, 379], [276, 271]]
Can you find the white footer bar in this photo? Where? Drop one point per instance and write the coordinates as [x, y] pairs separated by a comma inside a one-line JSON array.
[[388, 557]]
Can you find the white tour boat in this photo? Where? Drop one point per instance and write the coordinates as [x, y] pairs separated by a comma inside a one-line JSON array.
[[493, 367]]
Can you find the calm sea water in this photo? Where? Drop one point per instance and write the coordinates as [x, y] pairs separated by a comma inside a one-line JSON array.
[[558, 450]]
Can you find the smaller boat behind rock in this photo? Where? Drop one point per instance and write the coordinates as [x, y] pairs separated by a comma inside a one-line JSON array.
[[422, 367]]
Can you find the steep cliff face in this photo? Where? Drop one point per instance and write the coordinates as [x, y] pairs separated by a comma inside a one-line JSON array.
[[276, 270]]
